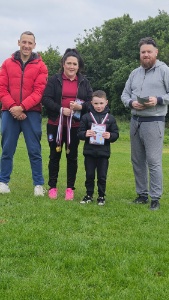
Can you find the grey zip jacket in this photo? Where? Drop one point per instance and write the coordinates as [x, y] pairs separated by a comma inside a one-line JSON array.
[[145, 83]]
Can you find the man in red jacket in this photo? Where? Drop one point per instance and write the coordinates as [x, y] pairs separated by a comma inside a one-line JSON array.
[[23, 79]]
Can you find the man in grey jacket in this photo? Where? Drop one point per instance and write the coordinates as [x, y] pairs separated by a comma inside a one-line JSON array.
[[146, 92]]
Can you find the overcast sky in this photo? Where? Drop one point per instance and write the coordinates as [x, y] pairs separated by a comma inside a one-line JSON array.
[[59, 22]]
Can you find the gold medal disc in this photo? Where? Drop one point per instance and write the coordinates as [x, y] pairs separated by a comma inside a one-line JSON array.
[[58, 149]]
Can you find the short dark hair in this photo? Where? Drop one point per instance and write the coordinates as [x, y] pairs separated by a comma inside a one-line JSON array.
[[27, 33], [147, 41], [99, 94], [72, 52]]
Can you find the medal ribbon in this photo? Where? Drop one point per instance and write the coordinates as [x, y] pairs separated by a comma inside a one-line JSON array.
[[69, 123], [60, 128], [103, 121]]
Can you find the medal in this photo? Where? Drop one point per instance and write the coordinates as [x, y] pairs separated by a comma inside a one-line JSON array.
[[58, 149], [60, 131]]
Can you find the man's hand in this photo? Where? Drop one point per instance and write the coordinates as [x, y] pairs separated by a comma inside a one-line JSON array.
[[137, 105], [22, 117], [16, 111], [152, 102]]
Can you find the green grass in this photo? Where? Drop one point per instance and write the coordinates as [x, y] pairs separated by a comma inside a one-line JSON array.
[[53, 249]]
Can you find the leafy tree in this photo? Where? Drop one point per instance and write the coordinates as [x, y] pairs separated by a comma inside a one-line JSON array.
[[52, 58], [99, 49], [90, 50], [111, 52], [120, 71]]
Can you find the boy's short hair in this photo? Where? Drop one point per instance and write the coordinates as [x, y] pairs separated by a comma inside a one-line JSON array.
[[99, 94]]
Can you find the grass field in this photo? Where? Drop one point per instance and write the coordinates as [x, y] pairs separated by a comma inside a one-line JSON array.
[[58, 250]]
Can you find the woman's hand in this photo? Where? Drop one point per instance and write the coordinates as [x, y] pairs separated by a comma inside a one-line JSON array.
[[67, 111], [75, 106]]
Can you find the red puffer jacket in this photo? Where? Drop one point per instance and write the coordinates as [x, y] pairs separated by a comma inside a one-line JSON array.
[[22, 84]]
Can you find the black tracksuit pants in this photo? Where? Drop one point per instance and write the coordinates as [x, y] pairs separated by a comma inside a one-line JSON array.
[[99, 165], [54, 158]]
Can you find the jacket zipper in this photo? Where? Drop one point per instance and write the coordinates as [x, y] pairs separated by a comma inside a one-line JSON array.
[[21, 85], [23, 69]]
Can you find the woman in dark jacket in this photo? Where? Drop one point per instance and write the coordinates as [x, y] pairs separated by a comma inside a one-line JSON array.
[[64, 98]]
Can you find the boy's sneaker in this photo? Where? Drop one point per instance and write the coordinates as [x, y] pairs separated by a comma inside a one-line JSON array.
[[69, 194], [155, 205], [87, 199], [52, 193], [39, 190], [141, 200], [4, 188], [101, 201]]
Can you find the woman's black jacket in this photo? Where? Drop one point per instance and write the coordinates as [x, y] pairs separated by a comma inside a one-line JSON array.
[[53, 94]]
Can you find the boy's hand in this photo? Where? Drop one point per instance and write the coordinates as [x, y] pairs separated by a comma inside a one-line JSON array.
[[106, 135], [90, 133]]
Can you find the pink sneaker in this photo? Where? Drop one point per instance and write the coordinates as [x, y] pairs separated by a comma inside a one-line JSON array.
[[69, 194], [52, 193]]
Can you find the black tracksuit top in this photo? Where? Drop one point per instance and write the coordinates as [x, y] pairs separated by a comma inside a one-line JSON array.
[[111, 126]]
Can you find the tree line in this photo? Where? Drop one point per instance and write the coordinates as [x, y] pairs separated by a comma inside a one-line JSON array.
[[111, 52]]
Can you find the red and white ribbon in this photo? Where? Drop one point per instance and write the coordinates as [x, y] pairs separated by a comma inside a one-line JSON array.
[[103, 121], [60, 128], [69, 124]]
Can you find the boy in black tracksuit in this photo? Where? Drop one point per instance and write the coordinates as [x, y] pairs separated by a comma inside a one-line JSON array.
[[98, 129]]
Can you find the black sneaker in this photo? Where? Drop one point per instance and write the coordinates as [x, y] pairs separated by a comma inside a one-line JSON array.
[[87, 199], [141, 200], [100, 201], [155, 205]]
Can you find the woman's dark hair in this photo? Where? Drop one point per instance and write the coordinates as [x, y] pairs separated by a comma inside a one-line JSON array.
[[72, 52]]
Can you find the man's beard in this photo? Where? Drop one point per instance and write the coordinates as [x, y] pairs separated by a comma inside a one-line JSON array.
[[147, 64]]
